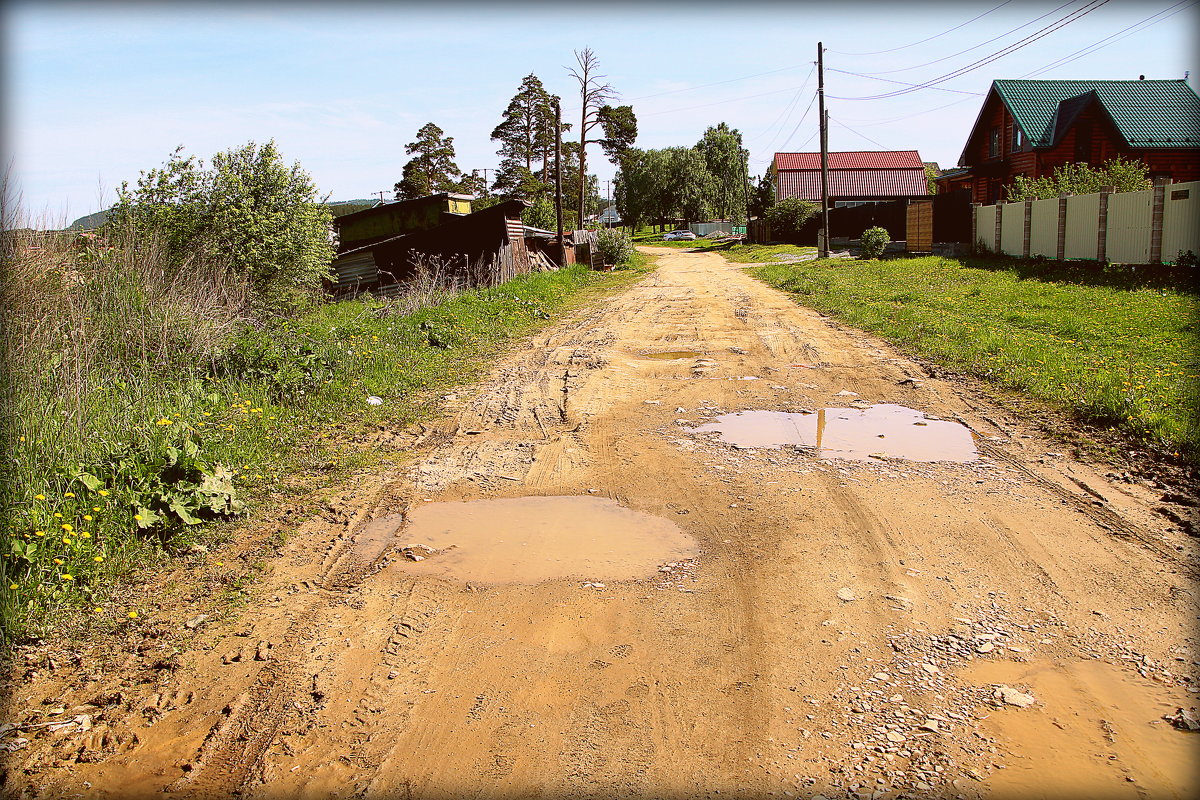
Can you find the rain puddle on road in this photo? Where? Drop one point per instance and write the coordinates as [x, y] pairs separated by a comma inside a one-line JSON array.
[[532, 539], [673, 355], [1095, 731], [851, 433]]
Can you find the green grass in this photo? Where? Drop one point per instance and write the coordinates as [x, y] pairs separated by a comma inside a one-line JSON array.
[[761, 253], [1115, 349], [121, 454]]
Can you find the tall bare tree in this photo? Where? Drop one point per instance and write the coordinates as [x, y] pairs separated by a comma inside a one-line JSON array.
[[592, 95]]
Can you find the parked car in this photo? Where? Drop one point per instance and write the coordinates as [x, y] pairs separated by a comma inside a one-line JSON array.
[[678, 236]]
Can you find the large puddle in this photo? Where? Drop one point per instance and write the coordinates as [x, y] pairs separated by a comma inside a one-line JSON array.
[[533, 539], [1096, 731], [883, 430]]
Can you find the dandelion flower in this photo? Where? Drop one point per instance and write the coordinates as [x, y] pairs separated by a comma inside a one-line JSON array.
[[66, 540], [165, 421], [12, 586], [84, 535], [132, 615], [103, 492], [39, 497], [95, 508], [69, 494], [98, 559], [57, 515], [67, 577], [68, 528], [39, 533], [58, 561], [97, 610], [138, 517], [88, 517]]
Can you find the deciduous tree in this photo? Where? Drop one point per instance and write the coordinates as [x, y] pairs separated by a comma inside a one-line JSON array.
[[592, 97], [726, 161]]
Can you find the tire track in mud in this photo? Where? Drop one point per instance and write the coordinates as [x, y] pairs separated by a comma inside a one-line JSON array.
[[234, 746]]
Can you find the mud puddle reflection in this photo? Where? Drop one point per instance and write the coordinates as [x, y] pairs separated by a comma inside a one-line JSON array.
[[532, 539], [850, 433], [1096, 731]]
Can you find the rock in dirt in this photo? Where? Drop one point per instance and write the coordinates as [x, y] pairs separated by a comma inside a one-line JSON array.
[[846, 595], [1013, 697], [196, 621], [1184, 719]]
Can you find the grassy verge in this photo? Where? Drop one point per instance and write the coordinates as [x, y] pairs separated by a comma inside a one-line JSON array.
[[140, 407], [1115, 349]]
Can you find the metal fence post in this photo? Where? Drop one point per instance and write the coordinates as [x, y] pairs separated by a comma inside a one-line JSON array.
[[1062, 227], [975, 228], [1102, 224], [1156, 219], [999, 229], [1027, 229]]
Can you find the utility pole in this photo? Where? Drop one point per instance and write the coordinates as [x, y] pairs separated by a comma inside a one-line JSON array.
[[381, 194], [823, 252], [746, 189], [562, 245], [608, 200]]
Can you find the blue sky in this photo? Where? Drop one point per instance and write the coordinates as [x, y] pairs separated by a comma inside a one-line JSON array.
[[96, 92]]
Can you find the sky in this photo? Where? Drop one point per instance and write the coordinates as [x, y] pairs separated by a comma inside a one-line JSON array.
[[96, 92]]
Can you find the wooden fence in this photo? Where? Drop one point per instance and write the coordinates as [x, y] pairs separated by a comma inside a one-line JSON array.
[[1152, 226]]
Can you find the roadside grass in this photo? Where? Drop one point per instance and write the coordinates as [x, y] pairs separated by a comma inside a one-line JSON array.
[[142, 407], [762, 253], [1116, 349]]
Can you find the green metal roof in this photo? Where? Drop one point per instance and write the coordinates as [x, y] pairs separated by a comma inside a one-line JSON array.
[[1146, 113]]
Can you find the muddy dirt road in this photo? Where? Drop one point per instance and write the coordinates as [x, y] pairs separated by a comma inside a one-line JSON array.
[[575, 593]]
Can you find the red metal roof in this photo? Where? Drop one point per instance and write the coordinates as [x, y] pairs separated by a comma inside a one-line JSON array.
[[861, 159], [857, 183]]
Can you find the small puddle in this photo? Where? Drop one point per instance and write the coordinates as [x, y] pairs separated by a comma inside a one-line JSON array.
[[673, 355], [1096, 731], [533, 539], [851, 433]]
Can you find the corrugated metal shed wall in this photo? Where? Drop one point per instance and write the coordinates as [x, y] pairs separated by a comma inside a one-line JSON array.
[[1012, 229], [1128, 237], [1043, 229], [1181, 220], [355, 270], [880, 183], [1083, 212]]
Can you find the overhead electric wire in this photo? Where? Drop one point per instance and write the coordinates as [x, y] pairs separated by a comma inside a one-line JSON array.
[[1075, 15], [930, 39], [798, 124], [1102, 43], [856, 133], [1136, 27], [786, 114], [977, 46], [902, 83]]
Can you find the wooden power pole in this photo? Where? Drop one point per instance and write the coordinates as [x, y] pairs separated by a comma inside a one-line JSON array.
[[824, 249], [562, 245]]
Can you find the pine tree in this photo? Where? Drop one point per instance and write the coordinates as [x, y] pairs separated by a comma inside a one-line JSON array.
[[433, 169]]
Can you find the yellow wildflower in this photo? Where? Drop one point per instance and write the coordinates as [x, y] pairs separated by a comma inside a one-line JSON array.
[[98, 559], [88, 517], [12, 586], [165, 421], [84, 535], [68, 528], [103, 492], [69, 494], [67, 577], [132, 615], [39, 497]]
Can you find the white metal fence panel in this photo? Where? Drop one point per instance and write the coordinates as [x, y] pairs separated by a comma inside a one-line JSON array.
[[985, 226], [1083, 220], [1012, 229], [1181, 220], [1128, 237], [1043, 229]]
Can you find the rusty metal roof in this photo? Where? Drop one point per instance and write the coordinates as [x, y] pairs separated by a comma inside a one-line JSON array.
[[858, 159]]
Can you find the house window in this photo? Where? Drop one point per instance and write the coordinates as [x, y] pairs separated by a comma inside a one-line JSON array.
[[1018, 138], [994, 143]]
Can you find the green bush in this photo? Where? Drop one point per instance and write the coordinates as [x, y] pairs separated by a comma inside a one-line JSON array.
[[788, 216], [615, 246], [874, 242]]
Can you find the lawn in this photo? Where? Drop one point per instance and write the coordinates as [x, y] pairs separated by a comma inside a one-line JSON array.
[[1117, 349]]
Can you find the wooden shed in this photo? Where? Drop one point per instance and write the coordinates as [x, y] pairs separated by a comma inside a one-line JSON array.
[[482, 248]]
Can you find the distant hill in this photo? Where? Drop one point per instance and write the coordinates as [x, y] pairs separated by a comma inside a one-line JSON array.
[[337, 207]]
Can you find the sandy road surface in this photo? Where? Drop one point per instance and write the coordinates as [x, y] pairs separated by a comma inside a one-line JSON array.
[[839, 626]]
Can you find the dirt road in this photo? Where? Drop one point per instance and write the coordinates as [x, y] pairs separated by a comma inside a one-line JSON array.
[[763, 620]]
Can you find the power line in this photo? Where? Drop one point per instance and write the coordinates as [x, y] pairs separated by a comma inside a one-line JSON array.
[[902, 83], [798, 124], [717, 103], [1075, 15], [1091, 48], [719, 83], [1102, 43], [923, 41], [786, 114], [856, 133], [976, 47]]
